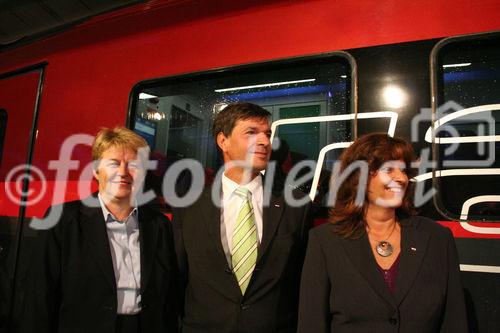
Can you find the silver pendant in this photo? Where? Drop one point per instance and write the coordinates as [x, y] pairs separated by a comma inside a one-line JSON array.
[[384, 249]]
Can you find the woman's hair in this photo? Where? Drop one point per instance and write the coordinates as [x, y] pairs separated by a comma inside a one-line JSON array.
[[375, 149], [116, 137]]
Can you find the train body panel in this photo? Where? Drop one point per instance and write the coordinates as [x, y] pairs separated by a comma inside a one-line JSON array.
[[92, 75]]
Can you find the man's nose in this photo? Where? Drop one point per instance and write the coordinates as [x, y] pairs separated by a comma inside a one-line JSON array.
[[263, 139]]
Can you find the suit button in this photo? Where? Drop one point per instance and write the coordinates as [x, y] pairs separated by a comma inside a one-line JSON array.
[[393, 321], [107, 308], [245, 306]]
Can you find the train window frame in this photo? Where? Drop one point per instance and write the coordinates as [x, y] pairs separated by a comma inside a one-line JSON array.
[[437, 92], [352, 106], [4, 116]]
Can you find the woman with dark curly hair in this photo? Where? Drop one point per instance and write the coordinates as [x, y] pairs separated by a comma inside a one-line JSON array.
[[377, 266]]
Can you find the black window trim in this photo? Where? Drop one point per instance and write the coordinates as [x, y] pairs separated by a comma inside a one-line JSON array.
[[40, 67], [4, 117], [434, 72], [134, 93]]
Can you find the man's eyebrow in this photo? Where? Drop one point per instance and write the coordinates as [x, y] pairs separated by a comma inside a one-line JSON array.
[[257, 129]]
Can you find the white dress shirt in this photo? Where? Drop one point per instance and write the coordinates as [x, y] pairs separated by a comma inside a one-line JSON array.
[[231, 205], [126, 254]]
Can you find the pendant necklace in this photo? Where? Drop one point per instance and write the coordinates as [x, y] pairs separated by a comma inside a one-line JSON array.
[[384, 248]]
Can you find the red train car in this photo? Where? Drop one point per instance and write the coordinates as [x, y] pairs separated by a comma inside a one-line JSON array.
[[327, 70]]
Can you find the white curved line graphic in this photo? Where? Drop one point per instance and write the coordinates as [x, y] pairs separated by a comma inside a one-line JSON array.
[[319, 119], [465, 139], [465, 213], [457, 172], [469, 202], [480, 268], [319, 165], [342, 117]]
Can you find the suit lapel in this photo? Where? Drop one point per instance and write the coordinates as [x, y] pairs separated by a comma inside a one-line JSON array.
[[271, 217], [94, 229], [148, 235], [361, 256], [413, 247], [212, 219]]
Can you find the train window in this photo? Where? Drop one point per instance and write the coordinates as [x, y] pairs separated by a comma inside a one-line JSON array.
[[175, 114], [3, 129], [468, 110]]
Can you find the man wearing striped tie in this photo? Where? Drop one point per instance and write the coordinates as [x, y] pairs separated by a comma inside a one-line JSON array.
[[241, 246]]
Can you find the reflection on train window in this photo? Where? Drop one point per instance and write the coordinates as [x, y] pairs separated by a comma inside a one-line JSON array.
[[468, 87], [3, 129], [175, 114]]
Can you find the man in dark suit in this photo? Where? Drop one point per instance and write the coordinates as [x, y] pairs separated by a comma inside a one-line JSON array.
[[241, 263], [109, 264]]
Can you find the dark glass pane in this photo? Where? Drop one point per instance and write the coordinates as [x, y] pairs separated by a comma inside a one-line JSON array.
[[469, 86], [175, 114]]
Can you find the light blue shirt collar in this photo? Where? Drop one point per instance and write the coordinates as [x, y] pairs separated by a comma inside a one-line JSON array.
[[108, 216]]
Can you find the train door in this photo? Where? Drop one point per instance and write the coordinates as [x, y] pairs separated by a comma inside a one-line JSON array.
[[19, 100]]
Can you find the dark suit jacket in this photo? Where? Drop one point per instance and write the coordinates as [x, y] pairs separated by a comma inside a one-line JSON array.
[[213, 300], [343, 291], [72, 286]]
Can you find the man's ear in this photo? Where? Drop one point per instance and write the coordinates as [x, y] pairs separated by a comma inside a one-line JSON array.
[[222, 141]]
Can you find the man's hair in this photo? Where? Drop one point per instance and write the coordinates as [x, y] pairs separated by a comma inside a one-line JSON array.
[[116, 137], [226, 119], [375, 149]]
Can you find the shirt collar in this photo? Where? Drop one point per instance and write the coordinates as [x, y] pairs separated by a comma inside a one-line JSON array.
[[228, 185], [108, 216]]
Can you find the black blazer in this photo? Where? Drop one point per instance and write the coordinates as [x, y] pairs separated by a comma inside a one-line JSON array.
[[72, 286], [213, 300], [343, 291]]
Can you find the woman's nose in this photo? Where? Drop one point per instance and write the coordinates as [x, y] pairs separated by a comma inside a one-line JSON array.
[[123, 169], [398, 175]]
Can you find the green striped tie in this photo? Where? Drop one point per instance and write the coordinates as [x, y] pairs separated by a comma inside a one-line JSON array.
[[244, 250]]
